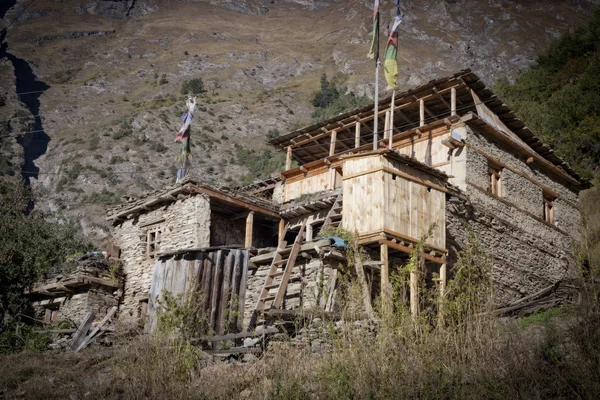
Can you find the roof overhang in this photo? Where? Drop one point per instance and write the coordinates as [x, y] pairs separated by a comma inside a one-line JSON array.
[[188, 188]]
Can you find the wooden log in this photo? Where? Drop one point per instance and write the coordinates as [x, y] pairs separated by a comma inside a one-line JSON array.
[[414, 293], [236, 336], [332, 143], [215, 295], [357, 134], [82, 330], [235, 350], [453, 102], [95, 331], [225, 293], [280, 231], [386, 125], [331, 289], [442, 280], [236, 275], [421, 112], [249, 228], [386, 295], [288, 158], [242, 295], [363, 284], [57, 331]]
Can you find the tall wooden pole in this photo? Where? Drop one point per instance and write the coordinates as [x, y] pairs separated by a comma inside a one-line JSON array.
[[453, 101], [357, 134], [376, 108], [385, 276], [414, 293], [288, 158], [393, 106], [422, 112]]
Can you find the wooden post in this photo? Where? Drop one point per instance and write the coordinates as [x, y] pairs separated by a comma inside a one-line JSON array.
[[386, 125], [332, 144], [288, 159], [357, 134], [249, 226], [414, 293], [393, 106], [442, 279], [385, 277], [309, 233], [453, 102], [422, 112], [281, 228]]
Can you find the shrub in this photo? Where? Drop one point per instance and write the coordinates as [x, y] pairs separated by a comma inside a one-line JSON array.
[[193, 86]]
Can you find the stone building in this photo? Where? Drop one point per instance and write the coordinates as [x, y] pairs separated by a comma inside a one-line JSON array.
[[448, 159], [94, 284]]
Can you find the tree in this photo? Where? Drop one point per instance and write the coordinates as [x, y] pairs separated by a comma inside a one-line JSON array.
[[29, 246], [559, 97]]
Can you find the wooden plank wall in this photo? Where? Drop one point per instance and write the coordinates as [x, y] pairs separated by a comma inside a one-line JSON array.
[[311, 183], [220, 275], [363, 195], [376, 200], [425, 206]]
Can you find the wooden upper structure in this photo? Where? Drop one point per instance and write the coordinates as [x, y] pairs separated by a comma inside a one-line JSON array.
[[438, 103]]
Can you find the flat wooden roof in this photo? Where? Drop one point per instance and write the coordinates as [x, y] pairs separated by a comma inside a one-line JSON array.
[[312, 143]]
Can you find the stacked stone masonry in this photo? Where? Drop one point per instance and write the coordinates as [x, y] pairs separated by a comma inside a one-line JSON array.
[[184, 224]]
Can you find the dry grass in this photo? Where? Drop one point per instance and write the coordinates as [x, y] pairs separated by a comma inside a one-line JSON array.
[[555, 358]]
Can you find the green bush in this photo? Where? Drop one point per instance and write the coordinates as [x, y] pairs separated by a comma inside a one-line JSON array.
[[193, 86], [330, 101]]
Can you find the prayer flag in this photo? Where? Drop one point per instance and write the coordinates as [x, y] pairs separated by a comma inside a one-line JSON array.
[[390, 63], [374, 51]]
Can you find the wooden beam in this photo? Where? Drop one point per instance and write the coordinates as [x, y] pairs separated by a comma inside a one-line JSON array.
[[288, 159], [386, 294], [442, 279], [249, 227], [386, 125], [408, 250], [421, 112], [280, 231], [453, 102], [332, 144], [357, 134], [414, 293], [232, 200]]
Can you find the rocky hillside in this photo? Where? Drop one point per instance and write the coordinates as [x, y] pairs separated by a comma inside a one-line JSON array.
[[110, 75]]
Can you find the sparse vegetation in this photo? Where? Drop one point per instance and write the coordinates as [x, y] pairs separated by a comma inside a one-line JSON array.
[[332, 100], [193, 86]]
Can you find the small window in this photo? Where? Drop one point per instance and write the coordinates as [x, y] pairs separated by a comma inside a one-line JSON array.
[[549, 209], [51, 315], [495, 182], [153, 241]]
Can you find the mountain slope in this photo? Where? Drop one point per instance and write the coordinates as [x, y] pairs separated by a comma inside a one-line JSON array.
[[115, 69]]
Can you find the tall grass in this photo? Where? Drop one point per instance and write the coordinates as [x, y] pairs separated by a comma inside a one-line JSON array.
[[465, 355]]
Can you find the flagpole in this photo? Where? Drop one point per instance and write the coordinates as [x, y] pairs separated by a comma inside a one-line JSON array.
[[392, 107], [376, 107]]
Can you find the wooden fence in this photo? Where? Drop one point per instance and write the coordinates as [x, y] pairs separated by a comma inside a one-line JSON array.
[[220, 276]]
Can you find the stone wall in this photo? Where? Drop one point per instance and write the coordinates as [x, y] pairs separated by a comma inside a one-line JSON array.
[[183, 224], [526, 253], [307, 287], [74, 307]]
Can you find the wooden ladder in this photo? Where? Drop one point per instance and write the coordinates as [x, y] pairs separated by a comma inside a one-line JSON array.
[[282, 265], [334, 216]]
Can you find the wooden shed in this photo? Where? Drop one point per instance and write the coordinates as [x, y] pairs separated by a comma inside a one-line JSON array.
[[386, 193]]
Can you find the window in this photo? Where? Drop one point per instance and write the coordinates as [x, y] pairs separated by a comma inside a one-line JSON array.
[[153, 240], [549, 209], [51, 314], [495, 183]]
